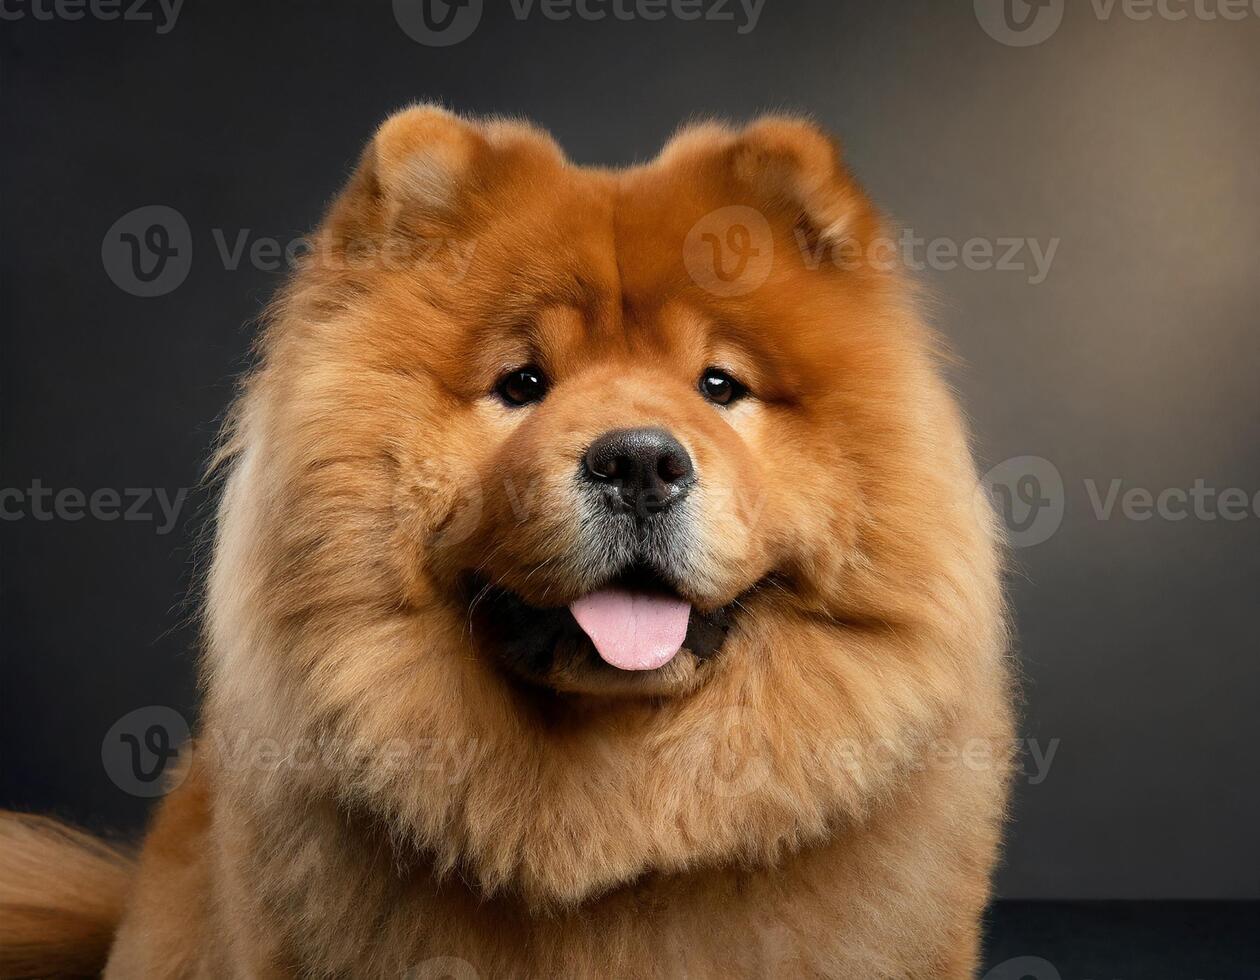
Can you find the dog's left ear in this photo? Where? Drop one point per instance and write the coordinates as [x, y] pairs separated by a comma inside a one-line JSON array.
[[798, 166], [790, 167]]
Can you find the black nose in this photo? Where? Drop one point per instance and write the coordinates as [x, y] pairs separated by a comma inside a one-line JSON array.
[[644, 470]]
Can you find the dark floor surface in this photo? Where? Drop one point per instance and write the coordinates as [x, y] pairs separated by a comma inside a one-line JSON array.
[[1123, 941]]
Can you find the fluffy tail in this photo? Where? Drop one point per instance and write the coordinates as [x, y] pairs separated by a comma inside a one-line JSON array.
[[61, 898]]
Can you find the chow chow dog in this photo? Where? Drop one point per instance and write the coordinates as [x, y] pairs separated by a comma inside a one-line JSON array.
[[599, 589]]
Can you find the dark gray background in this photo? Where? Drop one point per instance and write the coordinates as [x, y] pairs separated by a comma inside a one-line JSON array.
[[1133, 142]]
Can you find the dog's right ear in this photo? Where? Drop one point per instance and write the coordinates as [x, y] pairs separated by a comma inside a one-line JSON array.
[[428, 170], [415, 172], [423, 160]]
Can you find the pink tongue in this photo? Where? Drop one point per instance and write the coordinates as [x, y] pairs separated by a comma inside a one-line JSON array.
[[632, 630]]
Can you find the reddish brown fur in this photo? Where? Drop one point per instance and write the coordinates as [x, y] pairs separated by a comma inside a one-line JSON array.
[[61, 893], [603, 831]]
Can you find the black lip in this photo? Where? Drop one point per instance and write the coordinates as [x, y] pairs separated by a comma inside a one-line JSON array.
[[641, 578], [532, 639]]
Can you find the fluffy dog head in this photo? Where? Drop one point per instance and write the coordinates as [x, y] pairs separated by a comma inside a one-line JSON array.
[[594, 475]]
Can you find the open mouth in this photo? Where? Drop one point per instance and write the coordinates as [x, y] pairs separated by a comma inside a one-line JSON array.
[[635, 623]]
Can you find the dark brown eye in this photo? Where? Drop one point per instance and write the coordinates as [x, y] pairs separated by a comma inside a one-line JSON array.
[[720, 388], [522, 386]]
